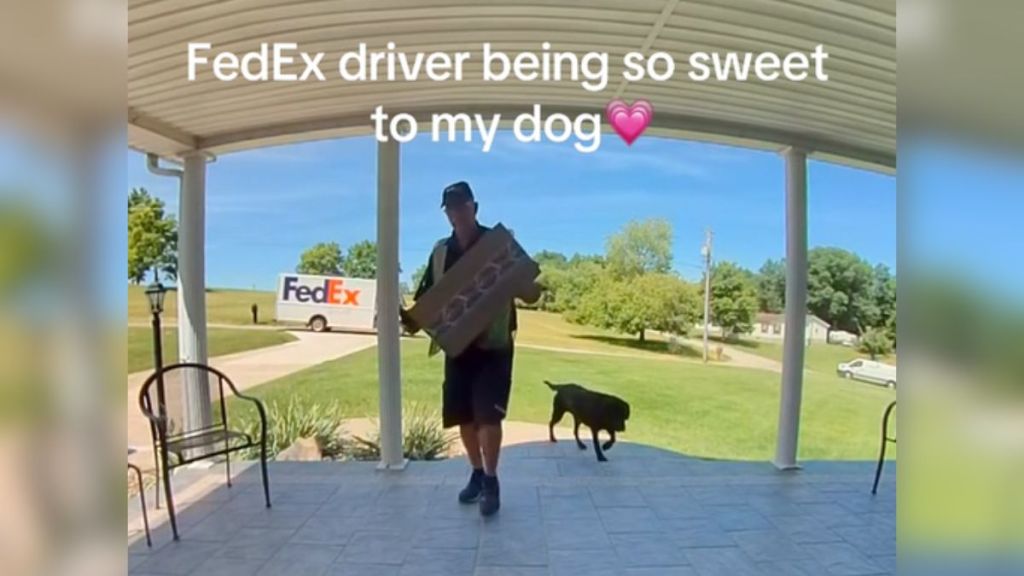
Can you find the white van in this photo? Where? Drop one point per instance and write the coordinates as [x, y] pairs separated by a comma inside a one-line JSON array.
[[868, 371], [325, 302]]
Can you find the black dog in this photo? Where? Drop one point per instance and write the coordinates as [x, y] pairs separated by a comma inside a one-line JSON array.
[[596, 410]]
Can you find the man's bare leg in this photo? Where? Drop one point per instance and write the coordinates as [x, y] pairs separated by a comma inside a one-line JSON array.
[[490, 443], [471, 442]]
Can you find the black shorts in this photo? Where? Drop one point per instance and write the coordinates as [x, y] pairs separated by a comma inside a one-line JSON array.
[[477, 384]]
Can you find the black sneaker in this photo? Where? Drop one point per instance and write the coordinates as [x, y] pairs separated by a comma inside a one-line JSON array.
[[471, 493], [490, 496]]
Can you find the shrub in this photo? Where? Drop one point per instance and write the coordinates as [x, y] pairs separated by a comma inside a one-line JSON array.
[[875, 343], [295, 420], [425, 438]]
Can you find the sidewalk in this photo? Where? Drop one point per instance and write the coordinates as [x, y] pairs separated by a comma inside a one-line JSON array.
[[740, 359]]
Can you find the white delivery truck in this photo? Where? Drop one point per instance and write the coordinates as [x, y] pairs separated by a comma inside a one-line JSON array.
[[868, 371], [324, 302]]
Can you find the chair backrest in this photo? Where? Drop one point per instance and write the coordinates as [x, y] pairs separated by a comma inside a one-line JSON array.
[[888, 430], [181, 384]]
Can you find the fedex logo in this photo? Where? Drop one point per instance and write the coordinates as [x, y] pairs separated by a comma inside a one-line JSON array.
[[331, 292]]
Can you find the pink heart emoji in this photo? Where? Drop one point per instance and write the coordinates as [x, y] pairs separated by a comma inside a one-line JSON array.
[[629, 121]]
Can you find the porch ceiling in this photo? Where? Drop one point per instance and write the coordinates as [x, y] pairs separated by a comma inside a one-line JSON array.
[[850, 119]]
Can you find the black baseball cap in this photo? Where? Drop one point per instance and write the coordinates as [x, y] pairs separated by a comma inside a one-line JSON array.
[[455, 194]]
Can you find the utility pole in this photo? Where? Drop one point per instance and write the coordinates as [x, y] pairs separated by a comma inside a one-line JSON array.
[[705, 251]]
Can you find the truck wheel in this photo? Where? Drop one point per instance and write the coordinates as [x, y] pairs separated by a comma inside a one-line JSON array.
[[891, 384], [848, 375], [318, 324]]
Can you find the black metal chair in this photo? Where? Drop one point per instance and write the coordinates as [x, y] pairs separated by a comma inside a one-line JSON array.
[[162, 400], [885, 440]]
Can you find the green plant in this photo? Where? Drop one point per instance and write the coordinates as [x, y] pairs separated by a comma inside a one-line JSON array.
[[294, 420], [875, 343], [425, 438]]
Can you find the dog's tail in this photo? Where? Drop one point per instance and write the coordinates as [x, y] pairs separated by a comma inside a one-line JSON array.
[[554, 387]]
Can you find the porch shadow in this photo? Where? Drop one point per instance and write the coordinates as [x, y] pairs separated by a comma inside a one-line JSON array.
[[683, 349]]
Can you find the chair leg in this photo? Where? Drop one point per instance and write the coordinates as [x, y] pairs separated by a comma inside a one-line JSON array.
[[878, 471], [170, 497], [156, 470], [263, 466], [227, 464], [142, 501]]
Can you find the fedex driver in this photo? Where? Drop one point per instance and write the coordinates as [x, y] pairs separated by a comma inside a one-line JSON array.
[[478, 381]]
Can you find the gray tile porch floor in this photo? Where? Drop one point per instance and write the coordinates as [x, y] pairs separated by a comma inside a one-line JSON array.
[[646, 512]]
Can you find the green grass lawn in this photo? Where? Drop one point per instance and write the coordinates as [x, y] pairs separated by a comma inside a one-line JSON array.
[[819, 357], [548, 329], [222, 306], [229, 306], [220, 341], [708, 411]]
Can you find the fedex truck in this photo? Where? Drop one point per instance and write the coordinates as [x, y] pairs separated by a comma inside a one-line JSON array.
[[325, 302]]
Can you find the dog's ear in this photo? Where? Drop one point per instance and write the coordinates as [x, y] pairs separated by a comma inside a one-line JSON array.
[[621, 411]]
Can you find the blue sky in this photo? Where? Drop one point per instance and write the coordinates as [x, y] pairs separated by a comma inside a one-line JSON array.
[[265, 207]]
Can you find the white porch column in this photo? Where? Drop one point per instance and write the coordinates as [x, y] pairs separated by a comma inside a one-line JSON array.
[[388, 336], [192, 289], [796, 309]]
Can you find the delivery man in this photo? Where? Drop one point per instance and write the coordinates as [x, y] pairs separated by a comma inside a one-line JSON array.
[[478, 381]]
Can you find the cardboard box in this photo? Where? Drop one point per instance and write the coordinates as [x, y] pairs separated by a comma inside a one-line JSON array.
[[459, 307]]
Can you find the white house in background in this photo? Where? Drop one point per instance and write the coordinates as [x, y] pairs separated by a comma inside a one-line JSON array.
[[773, 327]]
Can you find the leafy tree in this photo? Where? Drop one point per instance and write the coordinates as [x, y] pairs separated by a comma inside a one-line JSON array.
[[734, 298], [361, 260], [550, 280], [839, 289], [578, 259], [674, 304], [771, 286], [417, 277], [890, 327], [876, 343], [552, 266], [651, 302], [553, 275], [641, 248], [323, 259], [152, 238], [610, 304], [564, 288], [549, 259], [883, 293]]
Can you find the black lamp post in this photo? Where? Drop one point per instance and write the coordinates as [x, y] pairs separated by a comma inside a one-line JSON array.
[[155, 294]]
